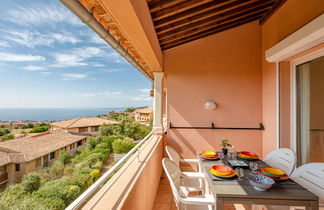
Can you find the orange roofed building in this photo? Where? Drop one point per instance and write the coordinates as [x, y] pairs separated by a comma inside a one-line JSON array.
[[84, 125], [144, 115], [24, 155]]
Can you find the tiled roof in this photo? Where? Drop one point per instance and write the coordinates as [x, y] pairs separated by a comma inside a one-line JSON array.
[[29, 148], [145, 110], [83, 122]]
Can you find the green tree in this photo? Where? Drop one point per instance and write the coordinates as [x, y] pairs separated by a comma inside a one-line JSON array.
[[122, 145], [31, 182]]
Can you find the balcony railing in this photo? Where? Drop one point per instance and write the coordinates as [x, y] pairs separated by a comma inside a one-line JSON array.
[[93, 189]]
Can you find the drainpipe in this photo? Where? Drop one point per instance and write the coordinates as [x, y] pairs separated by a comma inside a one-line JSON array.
[[76, 7]]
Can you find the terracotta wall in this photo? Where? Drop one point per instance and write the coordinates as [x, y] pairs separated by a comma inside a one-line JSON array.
[[278, 27], [225, 68]]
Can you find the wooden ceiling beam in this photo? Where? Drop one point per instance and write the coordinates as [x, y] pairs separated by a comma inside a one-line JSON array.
[[209, 32], [234, 13], [274, 8], [158, 4], [200, 16], [213, 24], [190, 12], [176, 8]]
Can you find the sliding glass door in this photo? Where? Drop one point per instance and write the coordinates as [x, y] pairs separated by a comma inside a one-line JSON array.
[[310, 111]]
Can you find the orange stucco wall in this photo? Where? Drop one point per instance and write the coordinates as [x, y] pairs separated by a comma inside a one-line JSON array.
[[290, 17], [225, 68]]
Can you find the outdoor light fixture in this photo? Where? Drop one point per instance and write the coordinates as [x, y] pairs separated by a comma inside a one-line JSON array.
[[210, 105]]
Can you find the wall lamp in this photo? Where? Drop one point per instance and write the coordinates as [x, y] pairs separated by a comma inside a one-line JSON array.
[[210, 105]]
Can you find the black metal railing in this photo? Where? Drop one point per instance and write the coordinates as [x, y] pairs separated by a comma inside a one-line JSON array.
[[261, 127]]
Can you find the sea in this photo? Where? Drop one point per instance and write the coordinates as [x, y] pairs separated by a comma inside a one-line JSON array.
[[51, 114]]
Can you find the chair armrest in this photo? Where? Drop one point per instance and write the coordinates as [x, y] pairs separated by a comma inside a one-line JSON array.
[[194, 175], [207, 200], [189, 160]]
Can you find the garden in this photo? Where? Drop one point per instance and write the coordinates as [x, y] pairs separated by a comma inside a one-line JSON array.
[[56, 186]]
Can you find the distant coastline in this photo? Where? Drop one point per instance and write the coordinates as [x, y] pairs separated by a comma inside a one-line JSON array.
[[50, 114]]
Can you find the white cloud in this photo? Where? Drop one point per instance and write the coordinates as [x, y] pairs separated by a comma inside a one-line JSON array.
[[68, 60], [96, 94], [146, 91], [34, 68], [20, 57], [94, 38], [143, 95], [32, 39], [40, 14], [68, 76], [112, 70], [4, 44]]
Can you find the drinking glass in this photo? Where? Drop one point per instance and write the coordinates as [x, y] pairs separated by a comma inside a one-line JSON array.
[[232, 153], [253, 166], [221, 155], [240, 172]]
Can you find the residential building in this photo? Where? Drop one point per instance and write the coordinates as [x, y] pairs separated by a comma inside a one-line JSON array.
[[24, 155], [246, 57], [144, 115], [84, 125]]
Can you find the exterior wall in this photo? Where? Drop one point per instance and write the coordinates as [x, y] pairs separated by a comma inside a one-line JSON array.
[[75, 130], [11, 174], [278, 27], [226, 68]]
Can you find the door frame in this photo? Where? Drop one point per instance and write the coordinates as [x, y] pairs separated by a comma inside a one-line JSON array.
[[293, 94]]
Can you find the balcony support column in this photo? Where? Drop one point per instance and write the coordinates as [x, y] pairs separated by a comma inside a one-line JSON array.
[[157, 103]]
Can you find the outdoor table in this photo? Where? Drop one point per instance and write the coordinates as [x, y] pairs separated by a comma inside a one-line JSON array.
[[240, 191]]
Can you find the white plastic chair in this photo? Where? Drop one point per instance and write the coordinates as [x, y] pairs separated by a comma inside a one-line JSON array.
[[283, 159], [174, 156], [311, 177], [175, 176]]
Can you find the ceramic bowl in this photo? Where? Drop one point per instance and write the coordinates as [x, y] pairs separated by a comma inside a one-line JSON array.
[[259, 182]]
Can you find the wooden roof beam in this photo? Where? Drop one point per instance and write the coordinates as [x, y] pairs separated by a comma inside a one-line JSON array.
[[209, 32], [176, 8], [217, 23], [244, 10]]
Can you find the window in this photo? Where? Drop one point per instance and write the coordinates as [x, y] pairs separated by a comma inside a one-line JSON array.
[[79, 143], [17, 167], [81, 130], [95, 128], [52, 155]]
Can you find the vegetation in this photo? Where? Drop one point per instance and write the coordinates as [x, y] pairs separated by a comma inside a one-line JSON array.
[[57, 186], [7, 137], [4, 131], [225, 143], [127, 127], [40, 128], [28, 125]]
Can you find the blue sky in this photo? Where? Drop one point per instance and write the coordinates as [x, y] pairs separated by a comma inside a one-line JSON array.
[[49, 58]]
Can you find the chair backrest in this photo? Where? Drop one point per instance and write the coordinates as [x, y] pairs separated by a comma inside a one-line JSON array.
[[311, 176], [173, 155], [174, 176], [283, 159]]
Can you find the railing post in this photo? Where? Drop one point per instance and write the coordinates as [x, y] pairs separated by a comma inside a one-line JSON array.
[[157, 104]]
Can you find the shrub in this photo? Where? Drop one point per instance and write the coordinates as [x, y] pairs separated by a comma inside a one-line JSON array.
[[39, 129], [102, 145], [122, 146], [95, 174], [110, 129], [7, 137], [56, 170], [31, 182], [4, 131], [30, 125], [81, 180], [13, 193], [68, 170], [65, 157], [71, 193], [109, 140], [97, 165], [91, 143]]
